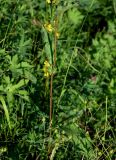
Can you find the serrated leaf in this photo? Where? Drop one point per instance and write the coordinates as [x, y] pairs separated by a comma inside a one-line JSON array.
[[14, 59], [24, 65], [30, 77], [75, 16]]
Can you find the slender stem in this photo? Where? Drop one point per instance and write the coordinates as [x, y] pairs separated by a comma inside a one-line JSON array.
[[106, 116], [55, 40], [51, 79], [51, 100]]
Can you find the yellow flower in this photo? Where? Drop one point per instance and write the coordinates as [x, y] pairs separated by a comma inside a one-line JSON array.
[[46, 68], [46, 63], [51, 1], [48, 27], [46, 74]]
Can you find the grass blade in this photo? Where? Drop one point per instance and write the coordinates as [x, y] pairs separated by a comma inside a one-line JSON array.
[[5, 110]]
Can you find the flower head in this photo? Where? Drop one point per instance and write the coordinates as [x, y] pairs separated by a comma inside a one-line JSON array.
[[48, 27], [46, 69]]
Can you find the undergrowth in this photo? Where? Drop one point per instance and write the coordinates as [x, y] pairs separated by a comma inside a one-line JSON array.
[[57, 79]]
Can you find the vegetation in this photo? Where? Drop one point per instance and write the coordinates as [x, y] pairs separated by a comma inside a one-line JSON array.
[[57, 79]]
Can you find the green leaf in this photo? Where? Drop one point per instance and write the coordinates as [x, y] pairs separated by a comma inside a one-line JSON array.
[[14, 59], [75, 16], [10, 98], [1, 88], [23, 94], [25, 65], [7, 79], [47, 47], [2, 51], [5, 110], [20, 84], [30, 77]]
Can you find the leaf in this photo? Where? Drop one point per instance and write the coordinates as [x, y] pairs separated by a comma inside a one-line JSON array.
[[7, 79], [23, 94], [75, 16], [2, 51], [1, 88], [25, 65], [10, 98], [47, 46], [90, 4], [24, 44], [5, 110], [30, 77], [14, 59], [14, 63], [18, 85]]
